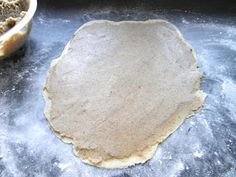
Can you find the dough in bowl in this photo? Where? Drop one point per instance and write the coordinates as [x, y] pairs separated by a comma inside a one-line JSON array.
[[120, 88]]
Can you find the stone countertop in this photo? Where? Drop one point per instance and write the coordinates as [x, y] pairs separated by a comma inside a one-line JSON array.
[[205, 145]]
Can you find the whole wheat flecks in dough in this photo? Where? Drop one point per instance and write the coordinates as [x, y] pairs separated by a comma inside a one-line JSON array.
[[121, 88]]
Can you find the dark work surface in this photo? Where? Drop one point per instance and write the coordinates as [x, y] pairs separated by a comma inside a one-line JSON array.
[[205, 145]]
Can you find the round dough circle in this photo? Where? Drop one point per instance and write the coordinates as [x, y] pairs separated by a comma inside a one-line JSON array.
[[121, 88]]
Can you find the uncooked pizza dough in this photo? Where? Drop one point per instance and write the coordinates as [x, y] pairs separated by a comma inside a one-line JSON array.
[[121, 88]]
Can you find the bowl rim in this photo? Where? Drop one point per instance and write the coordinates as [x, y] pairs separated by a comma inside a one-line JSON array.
[[29, 15]]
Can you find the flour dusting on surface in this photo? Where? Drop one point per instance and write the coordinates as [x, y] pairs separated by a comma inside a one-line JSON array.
[[205, 145]]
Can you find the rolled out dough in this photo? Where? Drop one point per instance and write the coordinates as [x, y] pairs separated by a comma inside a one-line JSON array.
[[121, 88]]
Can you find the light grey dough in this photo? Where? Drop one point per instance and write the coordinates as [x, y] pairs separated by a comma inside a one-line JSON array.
[[121, 88]]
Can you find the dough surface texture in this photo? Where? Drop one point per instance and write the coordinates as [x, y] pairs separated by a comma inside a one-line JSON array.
[[121, 88]]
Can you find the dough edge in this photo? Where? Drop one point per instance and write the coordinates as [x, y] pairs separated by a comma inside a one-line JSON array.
[[148, 152]]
